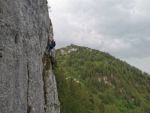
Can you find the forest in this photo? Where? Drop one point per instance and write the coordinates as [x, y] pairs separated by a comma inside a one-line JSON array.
[[91, 81]]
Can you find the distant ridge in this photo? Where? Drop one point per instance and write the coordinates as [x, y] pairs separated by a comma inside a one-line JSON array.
[[91, 81]]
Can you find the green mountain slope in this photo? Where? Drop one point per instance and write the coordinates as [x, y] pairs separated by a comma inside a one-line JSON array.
[[90, 81]]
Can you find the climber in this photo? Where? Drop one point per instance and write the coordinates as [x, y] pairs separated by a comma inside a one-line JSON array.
[[51, 45], [50, 50]]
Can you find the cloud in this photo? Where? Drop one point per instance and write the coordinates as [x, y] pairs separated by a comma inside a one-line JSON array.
[[140, 63], [120, 27]]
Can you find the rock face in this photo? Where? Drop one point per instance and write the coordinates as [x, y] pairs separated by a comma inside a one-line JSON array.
[[25, 85]]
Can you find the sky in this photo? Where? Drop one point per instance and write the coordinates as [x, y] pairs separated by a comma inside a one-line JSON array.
[[119, 27]]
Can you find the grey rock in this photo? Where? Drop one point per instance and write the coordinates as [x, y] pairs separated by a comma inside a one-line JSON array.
[[25, 85]]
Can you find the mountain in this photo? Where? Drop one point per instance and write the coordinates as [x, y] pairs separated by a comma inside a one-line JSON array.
[[91, 81], [26, 85]]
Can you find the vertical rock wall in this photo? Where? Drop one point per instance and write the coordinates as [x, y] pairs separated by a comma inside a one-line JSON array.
[[24, 86]]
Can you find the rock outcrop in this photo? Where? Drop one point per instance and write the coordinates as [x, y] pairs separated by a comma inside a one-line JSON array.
[[25, 85]]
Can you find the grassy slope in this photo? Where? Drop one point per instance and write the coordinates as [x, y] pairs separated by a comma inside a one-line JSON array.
[[90, 81]]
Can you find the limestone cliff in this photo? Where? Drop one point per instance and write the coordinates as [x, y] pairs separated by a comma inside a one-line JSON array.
[[25, 85]]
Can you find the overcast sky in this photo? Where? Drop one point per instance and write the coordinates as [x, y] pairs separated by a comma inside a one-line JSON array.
[[120, 27]]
